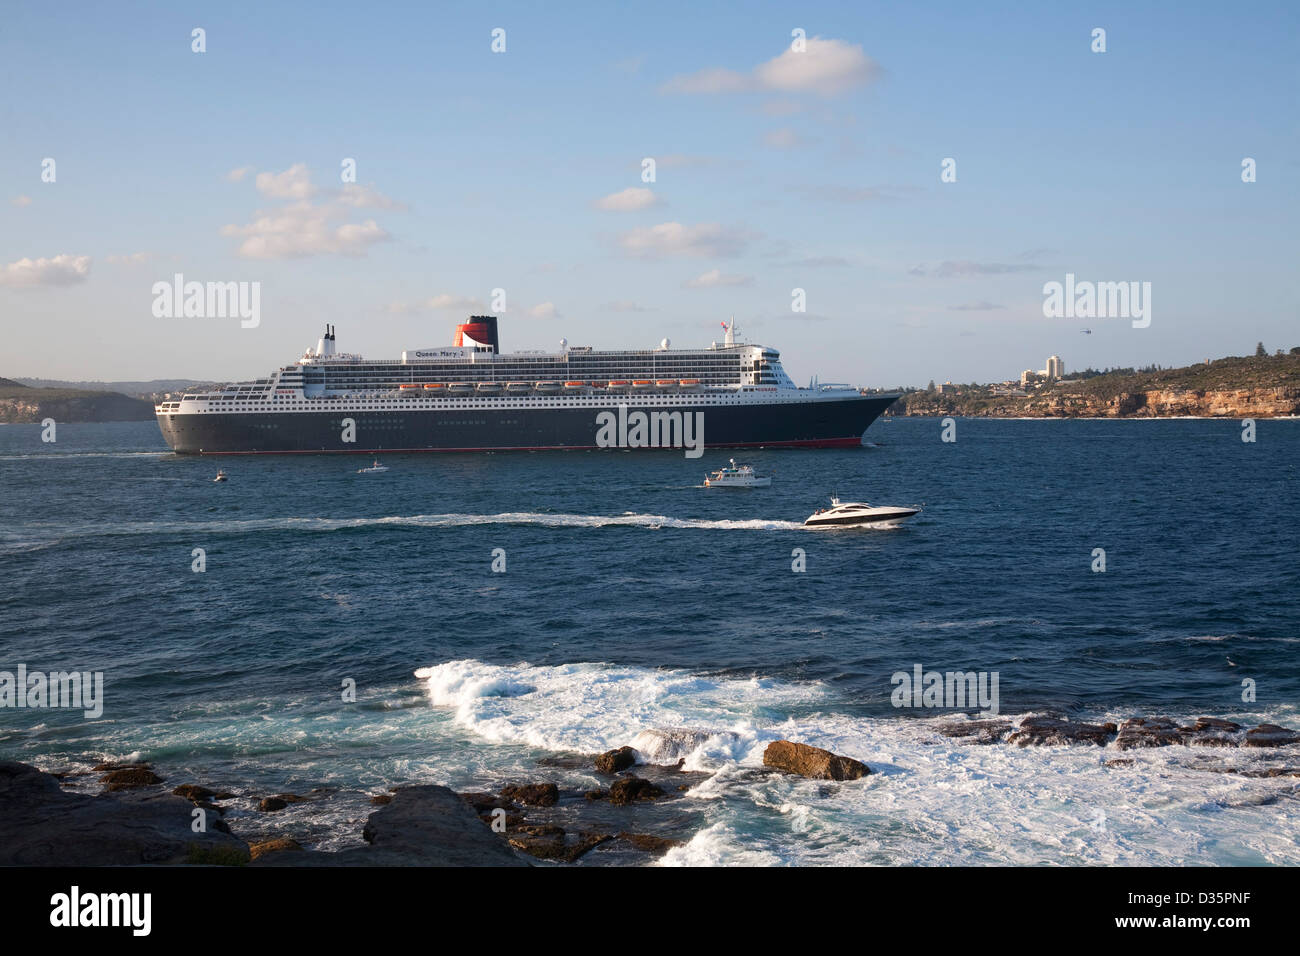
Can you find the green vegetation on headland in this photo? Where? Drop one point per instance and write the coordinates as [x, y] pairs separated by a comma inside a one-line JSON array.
[[1259, 386], [21, 404]]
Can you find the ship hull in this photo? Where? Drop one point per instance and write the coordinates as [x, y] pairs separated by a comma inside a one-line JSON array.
[[821, 423]]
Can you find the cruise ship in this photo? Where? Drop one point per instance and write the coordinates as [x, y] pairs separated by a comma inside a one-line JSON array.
[[472, 397]]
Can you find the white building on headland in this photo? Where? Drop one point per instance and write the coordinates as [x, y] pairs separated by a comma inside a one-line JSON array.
[[1055, 370]]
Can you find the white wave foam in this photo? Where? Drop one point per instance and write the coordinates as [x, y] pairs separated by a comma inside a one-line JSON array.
[[930, 799]]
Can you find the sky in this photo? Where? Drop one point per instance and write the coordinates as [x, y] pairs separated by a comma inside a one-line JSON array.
[[795, 147]]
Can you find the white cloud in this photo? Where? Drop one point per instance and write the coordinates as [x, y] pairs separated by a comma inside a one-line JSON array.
[[438, 303], [785, 138], [707, 240], [825, 67], [544, 310], [237, 175], [21, 201], [61, 270], [714, 279], [629, 200], [293, 183], [366, 197], [303, 229]]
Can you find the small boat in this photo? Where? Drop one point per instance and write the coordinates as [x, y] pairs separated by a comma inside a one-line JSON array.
[[434, 387], [407, 388], [618, 383], [845, 514], [221, 475], [489, 387], [642, 383], [689, 383], [374, 469], [574, 386], [666, 383], [736, 476], [547, 386], [519, 387], [460, 388], [597, 384]]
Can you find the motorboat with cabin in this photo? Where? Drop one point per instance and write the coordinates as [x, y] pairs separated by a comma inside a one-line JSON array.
[[736, 476], [847, 514]]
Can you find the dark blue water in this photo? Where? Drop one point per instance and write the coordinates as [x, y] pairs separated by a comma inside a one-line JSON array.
[[316, 574]]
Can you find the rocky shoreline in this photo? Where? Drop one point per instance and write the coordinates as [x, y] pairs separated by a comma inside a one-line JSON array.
[[633, 818]]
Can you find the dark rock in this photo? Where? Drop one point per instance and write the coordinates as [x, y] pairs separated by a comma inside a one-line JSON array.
[[1050, 731], [651, 844], [596, 794], [632, 788], [533, 794], [271, 804], [977, 731], [616, 761], [422, 826], [1149, 732], [293, 797], [812, 762], [278, 845], [1271, 735], [41, 824], [380, 799], [1120, 762], [105, 767], [129, 778], [194, 793], [553, 844]]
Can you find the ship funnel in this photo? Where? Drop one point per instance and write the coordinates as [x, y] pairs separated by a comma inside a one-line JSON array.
[[480, 331]]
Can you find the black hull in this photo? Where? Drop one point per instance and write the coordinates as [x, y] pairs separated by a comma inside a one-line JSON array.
[[838, 423]]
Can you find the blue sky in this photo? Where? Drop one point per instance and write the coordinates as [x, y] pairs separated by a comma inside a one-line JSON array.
[[479, 170]]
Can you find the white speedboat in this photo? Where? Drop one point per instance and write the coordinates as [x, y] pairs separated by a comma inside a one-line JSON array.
[[374, 469], [847, 514], [221, 475], [736, 476]]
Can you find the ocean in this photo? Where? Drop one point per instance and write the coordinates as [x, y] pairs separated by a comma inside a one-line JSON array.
[[633, 599]]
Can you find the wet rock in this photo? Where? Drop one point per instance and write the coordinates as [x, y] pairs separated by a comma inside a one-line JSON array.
[[128, 765], [1051, 731], [381, 799], [129, 778], [278, 845], [631, 789], [616, 761], [194, 793], [533, 794], [554, 844], [596, 794], [812, 762], [1120, 762], [1149, 732], [649, 843], [41, 824], [977, 731], [1271, 735], [271, 804]]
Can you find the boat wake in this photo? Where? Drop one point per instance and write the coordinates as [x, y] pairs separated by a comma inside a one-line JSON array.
[[261, 525]]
